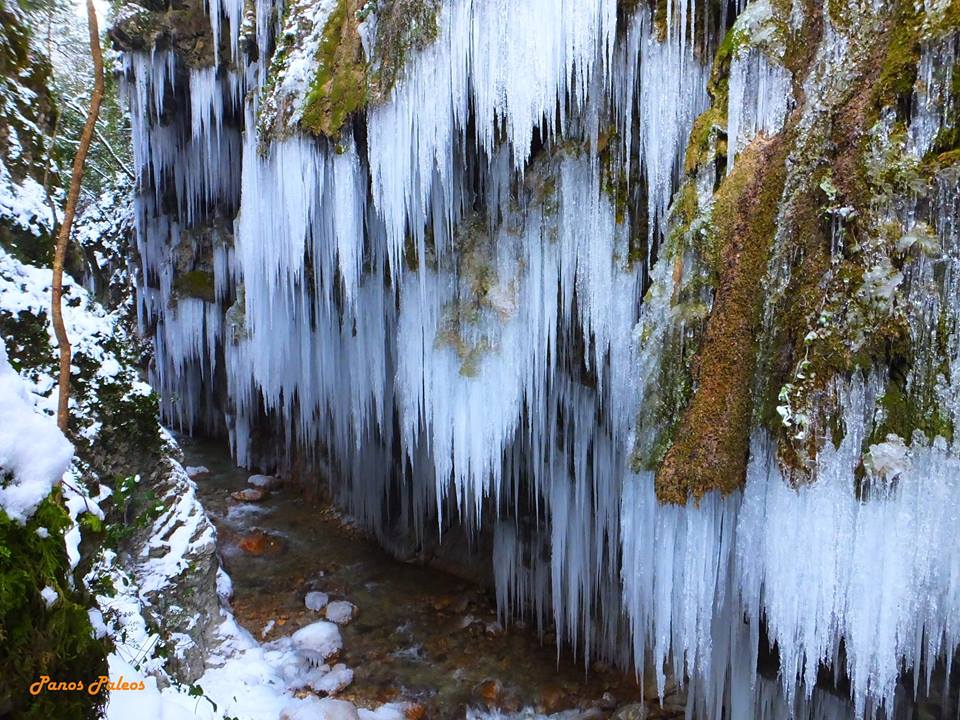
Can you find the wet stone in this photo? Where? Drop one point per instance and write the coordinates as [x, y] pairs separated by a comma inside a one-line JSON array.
[[251, 495], [259, 543]]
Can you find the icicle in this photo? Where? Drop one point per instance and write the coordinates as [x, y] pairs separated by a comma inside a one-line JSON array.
[[933, 98], [760, 96]]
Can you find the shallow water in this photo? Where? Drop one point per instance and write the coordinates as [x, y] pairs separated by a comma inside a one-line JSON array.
[[419, 634]]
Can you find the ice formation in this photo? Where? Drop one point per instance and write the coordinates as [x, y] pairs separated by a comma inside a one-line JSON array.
[[933, 103], [445, 312], [760, 96]]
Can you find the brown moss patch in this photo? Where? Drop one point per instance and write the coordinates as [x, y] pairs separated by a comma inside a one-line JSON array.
[[710, 449]]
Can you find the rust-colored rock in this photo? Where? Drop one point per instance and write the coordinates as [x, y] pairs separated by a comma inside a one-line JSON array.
[[414, 711], [259, 543], [552, 700], [250, 495], [490, 691]]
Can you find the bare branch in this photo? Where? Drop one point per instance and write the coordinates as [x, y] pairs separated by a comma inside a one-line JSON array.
[[63, 236], [103, 141]]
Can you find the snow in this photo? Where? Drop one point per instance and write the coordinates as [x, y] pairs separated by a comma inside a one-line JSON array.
[[888, 459], [179, 532], [340, 612], [318, 641], [194, 471], [320, 709], [263, 481], [100, 629], [34, 454], [315, 600], [24, 204], [50, 596]]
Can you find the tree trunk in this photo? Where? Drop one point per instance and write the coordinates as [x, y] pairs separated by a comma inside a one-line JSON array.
[[63, 236]]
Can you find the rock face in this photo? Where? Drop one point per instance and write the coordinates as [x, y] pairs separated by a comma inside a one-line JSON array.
[[627, 303], [175, 563], [631, 712]]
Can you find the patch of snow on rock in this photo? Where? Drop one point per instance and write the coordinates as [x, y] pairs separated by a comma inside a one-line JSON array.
[[33, 451], [316, 601], [341, 612]]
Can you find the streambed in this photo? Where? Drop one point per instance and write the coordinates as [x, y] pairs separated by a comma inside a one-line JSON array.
[[419, 634]]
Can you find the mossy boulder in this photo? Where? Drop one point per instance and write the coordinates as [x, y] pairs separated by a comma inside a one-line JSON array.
[[37, 638]]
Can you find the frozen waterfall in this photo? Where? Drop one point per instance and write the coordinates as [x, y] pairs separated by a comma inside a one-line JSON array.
[[444, 311]]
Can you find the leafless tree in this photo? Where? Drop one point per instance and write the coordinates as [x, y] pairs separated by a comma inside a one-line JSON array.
[[63, 236]]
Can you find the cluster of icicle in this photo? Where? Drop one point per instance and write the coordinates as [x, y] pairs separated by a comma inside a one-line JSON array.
[[363, 304], [759, 97]]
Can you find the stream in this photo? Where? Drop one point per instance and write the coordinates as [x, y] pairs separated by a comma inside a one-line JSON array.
[[419, 634]]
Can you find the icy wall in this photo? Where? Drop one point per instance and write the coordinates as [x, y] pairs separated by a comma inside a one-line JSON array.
[[482, 296]]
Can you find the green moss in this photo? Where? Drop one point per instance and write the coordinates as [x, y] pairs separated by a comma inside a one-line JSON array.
[[707, 136], [940, 24], [902, 414], [339, 87], [673, 392], [36, 640], [28, 111], [132, 507], [28, 342], [709, 451], [898, 70], [196, 284], [614, 181], [703, 138], [132, 418]]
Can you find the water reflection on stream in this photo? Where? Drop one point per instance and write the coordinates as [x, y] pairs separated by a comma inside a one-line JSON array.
[[419, 634]]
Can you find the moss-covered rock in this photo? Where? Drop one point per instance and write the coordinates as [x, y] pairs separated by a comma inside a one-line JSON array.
[[182, 26], [37, 639], [27, 108], [350, 64], [339, 87], [710, 448], [196, 284], [403, 27]]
